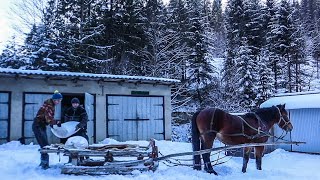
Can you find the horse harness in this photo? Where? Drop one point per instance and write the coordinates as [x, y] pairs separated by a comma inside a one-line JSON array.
[[260, 133]]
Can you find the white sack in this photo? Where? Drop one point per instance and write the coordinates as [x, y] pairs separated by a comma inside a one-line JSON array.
[[67, 129], [77, 142]]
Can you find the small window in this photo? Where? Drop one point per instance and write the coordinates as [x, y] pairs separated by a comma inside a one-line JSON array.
[[139, 92]]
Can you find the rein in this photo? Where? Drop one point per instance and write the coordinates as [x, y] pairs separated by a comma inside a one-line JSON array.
[[285, 124], [282, 119]]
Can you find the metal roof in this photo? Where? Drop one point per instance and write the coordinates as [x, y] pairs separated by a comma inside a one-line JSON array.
[[83, 76], [301, 100]]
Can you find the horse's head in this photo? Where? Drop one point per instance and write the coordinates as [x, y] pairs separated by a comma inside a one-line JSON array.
[[284, 122]]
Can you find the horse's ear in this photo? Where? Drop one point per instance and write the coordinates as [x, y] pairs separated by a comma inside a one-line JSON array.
[[284, 106]]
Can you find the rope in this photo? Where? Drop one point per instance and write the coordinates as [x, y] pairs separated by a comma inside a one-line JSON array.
[[223, 148], [169, 162]]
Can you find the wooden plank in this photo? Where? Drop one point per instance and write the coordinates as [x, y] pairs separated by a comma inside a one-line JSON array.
[[123, 153], [108, 169], [113, 146]]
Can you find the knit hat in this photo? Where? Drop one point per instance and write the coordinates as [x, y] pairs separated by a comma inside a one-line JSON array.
[[56, 95], [75, 100]]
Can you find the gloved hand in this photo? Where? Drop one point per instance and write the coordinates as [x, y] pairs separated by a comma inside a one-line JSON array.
[[80, 126], [59, 123], [53, 122]]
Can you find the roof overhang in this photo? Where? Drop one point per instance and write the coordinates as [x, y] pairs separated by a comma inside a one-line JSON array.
[[75, 76]]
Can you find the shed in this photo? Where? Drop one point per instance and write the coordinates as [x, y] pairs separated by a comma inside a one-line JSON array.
[[119, 107], [304, 113]]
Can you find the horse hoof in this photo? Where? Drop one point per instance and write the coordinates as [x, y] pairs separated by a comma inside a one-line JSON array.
[[244, 171], [198, 168], [211, 171], [259, 168]]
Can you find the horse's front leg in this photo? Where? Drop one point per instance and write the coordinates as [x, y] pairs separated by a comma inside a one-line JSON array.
[[206, 143], [246, 156], [258, 154]]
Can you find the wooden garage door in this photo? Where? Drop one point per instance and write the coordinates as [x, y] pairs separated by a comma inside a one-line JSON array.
[[32, 103], [4, 117], [135, 118]]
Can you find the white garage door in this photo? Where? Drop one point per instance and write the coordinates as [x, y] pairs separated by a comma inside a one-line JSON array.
[[4, 117], [32, 103], [89, 106], [135, 118]]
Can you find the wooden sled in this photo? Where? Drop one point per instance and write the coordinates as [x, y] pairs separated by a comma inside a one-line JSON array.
[[107, 159]]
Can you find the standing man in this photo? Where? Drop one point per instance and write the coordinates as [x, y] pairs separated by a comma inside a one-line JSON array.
[[77, 113], [44, 117]]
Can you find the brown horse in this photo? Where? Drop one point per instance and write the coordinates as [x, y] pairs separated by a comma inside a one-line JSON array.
[[230, 129]]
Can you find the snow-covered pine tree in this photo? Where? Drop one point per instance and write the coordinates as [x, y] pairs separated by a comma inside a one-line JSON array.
[[133, 36], [123, 34], [10, 57], [40, 49], [199, 68], [298, 59], [177, 54], [218, 32], [235, 22], [315, 37], [271, 25], [246, 74], [33, 50], [155, 55], [253, 28], [265, 80], [79, 33], [176, 28], [283, 43]]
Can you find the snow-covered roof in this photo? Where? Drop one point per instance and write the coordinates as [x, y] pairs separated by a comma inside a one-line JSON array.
[[84, 76], [301, 100]]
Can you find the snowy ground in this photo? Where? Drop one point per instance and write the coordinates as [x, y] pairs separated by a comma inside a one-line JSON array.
[[21, 162]]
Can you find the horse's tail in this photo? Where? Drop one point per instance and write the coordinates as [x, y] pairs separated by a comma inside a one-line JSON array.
[[195, 134]]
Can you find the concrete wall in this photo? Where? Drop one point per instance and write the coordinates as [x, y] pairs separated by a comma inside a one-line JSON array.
[[17, 86]]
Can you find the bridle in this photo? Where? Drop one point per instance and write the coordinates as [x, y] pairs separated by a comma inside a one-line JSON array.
[[282, 119]]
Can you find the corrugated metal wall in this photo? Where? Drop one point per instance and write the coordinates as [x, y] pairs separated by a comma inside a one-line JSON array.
[[306, 128], [135, 118], [4, 117]]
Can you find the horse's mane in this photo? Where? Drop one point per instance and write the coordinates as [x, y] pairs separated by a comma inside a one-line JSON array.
[[266, 114], [250, 115]]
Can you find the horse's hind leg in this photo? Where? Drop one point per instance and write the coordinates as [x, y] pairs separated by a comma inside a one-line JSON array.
[[196, 158], [206, 143], [246, 156], [258, 154]]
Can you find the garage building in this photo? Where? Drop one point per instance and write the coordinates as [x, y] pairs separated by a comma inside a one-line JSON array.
[[119, 107]]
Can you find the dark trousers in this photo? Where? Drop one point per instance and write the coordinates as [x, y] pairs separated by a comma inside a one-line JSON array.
[[40, 132]]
